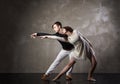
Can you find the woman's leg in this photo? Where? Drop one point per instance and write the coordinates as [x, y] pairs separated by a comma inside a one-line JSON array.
[[65, 69], [93, 66]]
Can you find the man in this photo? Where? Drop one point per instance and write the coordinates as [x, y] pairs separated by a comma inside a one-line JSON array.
[[65, 51]]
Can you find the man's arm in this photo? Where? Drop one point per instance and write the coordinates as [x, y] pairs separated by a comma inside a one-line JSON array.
[[43, 34], [34, 35], [49, 36]]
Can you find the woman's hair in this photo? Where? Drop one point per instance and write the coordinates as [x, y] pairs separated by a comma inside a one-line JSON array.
[[68, 28], [58, 24]]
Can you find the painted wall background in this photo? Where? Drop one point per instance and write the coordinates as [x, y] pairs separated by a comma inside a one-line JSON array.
[[98, 20]]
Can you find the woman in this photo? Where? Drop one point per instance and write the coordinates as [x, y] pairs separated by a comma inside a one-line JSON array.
[[82, 50]]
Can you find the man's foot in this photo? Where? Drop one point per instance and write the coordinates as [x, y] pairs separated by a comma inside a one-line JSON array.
[[92, 79], [44, 77], [68, 77]]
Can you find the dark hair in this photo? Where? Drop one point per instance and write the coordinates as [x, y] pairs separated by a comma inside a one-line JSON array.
[[68, 28], [58, 24]]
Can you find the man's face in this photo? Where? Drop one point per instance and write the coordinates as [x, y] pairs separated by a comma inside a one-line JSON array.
[[56, 28]]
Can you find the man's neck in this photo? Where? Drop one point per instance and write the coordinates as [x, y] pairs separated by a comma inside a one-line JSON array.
[[60, 31]]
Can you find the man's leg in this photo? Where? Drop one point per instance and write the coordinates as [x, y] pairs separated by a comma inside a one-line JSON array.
[[65, 69], [56, 62], [68, 73]]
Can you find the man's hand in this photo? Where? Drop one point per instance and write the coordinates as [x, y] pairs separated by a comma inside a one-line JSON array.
[[33, 35]]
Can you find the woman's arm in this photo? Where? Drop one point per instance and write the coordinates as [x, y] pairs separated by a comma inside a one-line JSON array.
[[53, 37]]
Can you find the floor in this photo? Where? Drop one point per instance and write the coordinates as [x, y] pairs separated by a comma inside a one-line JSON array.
[[78, 78]]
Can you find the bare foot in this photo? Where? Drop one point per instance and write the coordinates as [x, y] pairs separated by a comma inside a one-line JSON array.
[[55, 79], [91, 79]]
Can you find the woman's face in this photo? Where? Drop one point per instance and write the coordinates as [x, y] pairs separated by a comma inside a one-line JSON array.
[[66, 32], [56, 28]]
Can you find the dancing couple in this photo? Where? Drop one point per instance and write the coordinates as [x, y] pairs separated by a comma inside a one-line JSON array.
[[74, 45]]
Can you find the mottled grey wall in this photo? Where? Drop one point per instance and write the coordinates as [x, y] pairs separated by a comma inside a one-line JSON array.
[[98, 20]]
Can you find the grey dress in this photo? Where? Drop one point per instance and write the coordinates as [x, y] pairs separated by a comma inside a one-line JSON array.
[[82, 47]]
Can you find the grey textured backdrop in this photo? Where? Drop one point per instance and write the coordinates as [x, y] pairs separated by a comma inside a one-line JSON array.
[[98, 20]]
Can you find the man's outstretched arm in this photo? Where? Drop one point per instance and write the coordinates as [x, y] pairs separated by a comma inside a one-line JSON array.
[[34, 35]]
